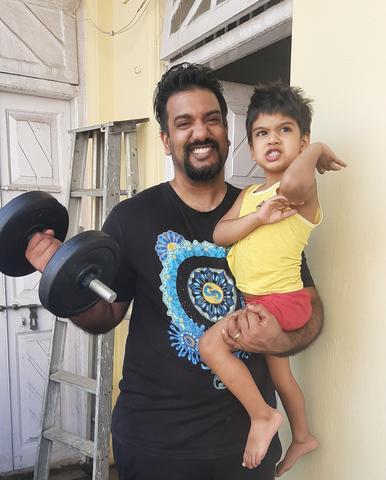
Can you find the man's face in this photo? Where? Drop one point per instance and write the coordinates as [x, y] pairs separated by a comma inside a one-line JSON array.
[[198, 138]]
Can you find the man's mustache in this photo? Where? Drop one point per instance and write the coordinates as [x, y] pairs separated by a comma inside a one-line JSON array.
[[213, 143]]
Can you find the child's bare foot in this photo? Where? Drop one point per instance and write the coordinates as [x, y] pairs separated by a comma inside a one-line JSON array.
[[294, 452], [260, 435]]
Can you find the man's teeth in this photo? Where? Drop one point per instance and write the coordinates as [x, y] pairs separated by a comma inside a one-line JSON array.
[[201, 149]]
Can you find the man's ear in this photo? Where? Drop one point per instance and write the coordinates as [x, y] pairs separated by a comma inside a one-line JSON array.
[[305, 141], [166, 142]]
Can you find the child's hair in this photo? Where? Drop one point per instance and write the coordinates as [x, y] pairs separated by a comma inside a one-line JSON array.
[[278, 97], [182, 77]]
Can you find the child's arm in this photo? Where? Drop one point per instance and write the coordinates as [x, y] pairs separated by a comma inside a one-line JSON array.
[[298, 181], [232, 228]]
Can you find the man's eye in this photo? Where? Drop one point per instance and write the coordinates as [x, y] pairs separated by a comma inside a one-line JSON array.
[[214, 120], [183, 125]]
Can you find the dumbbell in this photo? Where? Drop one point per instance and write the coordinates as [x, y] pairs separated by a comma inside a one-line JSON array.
[[81, 270]]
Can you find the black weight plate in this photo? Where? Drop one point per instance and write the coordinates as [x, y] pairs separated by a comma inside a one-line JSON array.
[[26, 214], [61, 290]]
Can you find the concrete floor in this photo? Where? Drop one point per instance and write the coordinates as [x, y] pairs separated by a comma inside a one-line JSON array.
[[64, 473]]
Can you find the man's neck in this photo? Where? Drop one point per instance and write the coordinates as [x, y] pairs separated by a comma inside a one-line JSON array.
[[201, 196]]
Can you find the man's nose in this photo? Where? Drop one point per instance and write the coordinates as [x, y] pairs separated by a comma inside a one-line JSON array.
[[200, 131]]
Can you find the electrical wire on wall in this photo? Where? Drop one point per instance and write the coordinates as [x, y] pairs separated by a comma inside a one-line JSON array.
[[134, 20]]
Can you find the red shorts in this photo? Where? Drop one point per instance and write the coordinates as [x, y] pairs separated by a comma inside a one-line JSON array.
[[292, 310]]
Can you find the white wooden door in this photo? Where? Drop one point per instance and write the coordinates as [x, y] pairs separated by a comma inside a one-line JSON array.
[[38, 56], [240, 169], [34, 153]]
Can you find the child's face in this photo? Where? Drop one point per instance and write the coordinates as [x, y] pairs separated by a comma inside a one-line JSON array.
[[276, 142]]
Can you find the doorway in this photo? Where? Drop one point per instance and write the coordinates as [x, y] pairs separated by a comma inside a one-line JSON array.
[[238, 78], [268, 64]]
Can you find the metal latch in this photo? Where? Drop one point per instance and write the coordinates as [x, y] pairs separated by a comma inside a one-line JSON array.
[[33, 314]]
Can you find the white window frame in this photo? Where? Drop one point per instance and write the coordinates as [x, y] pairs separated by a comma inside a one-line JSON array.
[[265, 29], [214, 19]]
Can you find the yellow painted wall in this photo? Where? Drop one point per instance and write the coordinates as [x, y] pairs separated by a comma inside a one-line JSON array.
[[121, 72], [338, 58]]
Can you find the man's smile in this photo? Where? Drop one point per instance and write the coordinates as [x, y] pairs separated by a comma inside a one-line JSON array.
[[202, 151]]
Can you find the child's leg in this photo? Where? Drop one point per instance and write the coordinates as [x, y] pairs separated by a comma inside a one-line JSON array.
[[265, 421], [293, 402]]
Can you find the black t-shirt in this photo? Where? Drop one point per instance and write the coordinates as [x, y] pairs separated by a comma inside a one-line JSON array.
[[170, 403]]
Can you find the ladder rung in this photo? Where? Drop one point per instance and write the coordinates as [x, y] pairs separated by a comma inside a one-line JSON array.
[[63, 320], [87, 192], [70, 440], [84, 383], [91, 192]]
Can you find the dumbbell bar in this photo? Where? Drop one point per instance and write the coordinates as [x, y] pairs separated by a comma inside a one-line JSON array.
[[89, 259], [80, 271]]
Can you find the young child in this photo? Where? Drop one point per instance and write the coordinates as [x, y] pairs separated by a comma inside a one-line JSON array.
[[268, 227]]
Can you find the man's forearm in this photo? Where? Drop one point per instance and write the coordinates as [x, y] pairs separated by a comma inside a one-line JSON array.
[[298, 340], [100, 318]]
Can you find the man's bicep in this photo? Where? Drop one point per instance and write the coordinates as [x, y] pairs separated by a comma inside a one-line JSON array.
[[119, 311]]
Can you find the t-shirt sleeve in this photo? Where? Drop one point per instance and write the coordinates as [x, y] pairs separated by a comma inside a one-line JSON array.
[[305, 273], [125, 279]]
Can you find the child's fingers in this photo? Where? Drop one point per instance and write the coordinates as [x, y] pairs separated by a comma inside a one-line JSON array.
[[340, 162], [280, 198], [337, 165], [288, 213]]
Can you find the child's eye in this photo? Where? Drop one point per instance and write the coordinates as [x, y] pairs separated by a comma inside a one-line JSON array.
[[261, 133], [286, 129]]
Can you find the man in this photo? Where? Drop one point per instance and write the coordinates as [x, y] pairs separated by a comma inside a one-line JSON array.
[[174, 419]]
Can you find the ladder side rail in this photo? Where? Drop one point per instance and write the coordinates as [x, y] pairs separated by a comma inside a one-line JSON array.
[[131, 158], [78, 170], [103, 405], [98, 218], [94, 162], [111, 171], [51, 399], [105, 342]]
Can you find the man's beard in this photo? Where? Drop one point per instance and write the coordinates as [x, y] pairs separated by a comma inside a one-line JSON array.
[[206, 173]]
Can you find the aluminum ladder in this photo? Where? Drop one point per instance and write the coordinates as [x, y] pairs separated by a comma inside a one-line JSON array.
[[101, 145]]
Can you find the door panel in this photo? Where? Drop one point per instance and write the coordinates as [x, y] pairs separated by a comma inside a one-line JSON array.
[[240, 169], [38, 39], [35, 153]]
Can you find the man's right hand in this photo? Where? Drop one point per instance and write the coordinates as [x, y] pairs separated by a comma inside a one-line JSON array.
[[255, 329], [41, 248]]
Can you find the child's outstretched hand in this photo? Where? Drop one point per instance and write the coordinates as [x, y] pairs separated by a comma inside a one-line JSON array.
[[275, 209], [328, 160]]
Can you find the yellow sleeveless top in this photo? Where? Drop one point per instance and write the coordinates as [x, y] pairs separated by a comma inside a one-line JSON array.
[[268, 259]]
